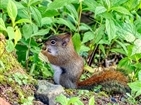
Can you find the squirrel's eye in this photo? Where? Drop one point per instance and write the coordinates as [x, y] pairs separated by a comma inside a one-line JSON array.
[[53, 42]]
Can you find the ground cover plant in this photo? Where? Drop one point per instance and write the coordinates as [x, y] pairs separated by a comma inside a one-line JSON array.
[[105, 33]]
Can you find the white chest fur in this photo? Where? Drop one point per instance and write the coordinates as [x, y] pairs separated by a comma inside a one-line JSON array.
[[57, 73]]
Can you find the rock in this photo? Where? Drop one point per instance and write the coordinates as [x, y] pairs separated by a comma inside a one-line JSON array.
[[3, 102], [47, 92]]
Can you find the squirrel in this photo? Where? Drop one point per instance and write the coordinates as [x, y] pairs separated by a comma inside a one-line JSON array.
[[68, 67]]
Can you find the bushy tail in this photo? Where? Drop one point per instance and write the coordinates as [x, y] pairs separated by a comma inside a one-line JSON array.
[[111, 81]]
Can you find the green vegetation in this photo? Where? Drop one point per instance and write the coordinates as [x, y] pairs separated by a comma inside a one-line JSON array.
[[100, 28]]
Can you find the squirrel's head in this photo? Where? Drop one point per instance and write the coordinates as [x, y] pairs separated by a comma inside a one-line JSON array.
[[58, 46]]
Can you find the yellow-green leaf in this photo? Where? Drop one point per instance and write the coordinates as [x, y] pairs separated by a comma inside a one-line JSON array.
[[17, 35], [12, 10], [2, 25]]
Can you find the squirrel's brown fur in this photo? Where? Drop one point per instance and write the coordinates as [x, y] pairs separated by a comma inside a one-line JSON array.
[[68, 66]]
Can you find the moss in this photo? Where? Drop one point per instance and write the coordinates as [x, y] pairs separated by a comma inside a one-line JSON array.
[[10, 87]]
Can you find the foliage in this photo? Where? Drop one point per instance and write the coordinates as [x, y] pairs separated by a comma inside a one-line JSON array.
[[102, 27], [63, 100]]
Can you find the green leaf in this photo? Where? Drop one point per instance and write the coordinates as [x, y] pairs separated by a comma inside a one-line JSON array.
[[72, 10], [92, 101], [110, 29], [108, 3], [12, 10], [23, 21], [27, 30], [9, 46], [65, 22], [11, 33], [56, 4], [84, 48], [101, 47], [99, 33], [84, 27], [36, 15], [118, 2], [126, 64], [121, 9], [136, 87], [129, 37], [123, 46], [50, 13], [18, 35], [2, 25], [40, 32], [74, 101], [46, 21], [91, 4], [137, 47], [88, 36], [76, 41], [62, 99], [99, 10]]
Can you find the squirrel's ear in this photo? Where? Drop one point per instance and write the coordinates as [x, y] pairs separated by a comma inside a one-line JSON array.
[[66, 39]]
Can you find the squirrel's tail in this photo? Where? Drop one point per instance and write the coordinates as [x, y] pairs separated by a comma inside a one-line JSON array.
[[111, 81]]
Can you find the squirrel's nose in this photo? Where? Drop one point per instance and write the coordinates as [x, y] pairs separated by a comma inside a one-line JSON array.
[[48, 50]]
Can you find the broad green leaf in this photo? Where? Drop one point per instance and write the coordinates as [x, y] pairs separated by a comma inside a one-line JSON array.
[[23, 13], [35, 28], [123, 46], [137, 47], [65, 22], [9, 46], [3, 4], [84, 27], [99, 10], [74, 101], [76, 41], [56, 4], [36, 15], [87, 36], [91, 4], [27, 30], [136, 87], [50, 13], [62, 99], [12, 10], [92, 101], [11, 33], [110, 29], [40, 32], [84, 48], [121, 9], [34, 2], [99, 33], [2, 25], [18, 35], [46, 21], [129, 37], [108, 3], [72, 10], [23, 21], [118, 2], [126, 64]]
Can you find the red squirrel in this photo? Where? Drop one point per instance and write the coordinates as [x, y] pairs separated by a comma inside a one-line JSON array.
[[68, 67]]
